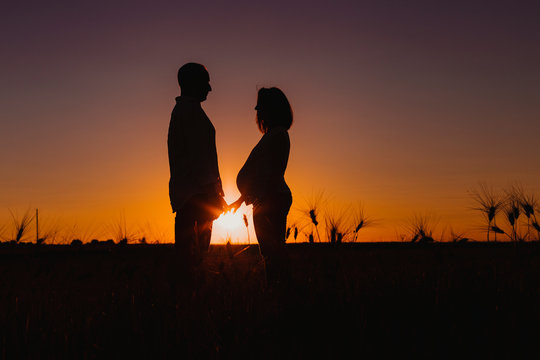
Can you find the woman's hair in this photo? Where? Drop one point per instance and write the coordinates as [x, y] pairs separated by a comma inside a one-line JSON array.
[[273, 109]]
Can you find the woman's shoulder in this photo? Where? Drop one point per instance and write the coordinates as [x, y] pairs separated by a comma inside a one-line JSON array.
[[276, 135]]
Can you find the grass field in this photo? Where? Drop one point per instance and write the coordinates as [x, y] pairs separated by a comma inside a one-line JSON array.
[[438, 300]]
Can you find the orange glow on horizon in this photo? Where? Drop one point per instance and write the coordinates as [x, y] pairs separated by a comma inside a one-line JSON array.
[[229, 227], [229, 220]]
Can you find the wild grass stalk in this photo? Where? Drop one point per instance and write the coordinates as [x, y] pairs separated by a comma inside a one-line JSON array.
[[247, 227], [512, 209], [312, 210], [536, 226], [77, 232], [512, 212], [152, 233], [120, 231], [498, 230], [336, 227], [20, 225], [49, 231], [528, 203], [458, 237], [2, 231], [360, 221], [489, 204], [292, 231], [421, 228]]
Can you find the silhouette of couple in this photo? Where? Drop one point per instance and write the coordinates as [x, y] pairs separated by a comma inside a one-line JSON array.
[[195, 188]]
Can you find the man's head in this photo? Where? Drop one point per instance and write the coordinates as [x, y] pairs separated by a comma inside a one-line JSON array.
[[194, 81]]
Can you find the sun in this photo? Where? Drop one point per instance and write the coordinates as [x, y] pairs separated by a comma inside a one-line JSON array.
[[229, 221], [232, 227], [236, 227]]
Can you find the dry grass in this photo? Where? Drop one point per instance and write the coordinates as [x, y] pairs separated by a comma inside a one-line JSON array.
[[361, 221], [49, 229], [120, 231], [529, 203], [518, 208], [457, 237], [312, 210], [246, 224], [421, 228], [153, 234], [337, 225], [293, 230], [84, 234]]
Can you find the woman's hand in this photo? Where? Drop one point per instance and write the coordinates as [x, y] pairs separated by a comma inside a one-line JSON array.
[[235, 205]]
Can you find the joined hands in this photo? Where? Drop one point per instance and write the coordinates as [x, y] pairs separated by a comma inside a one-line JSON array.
[[234, 205]]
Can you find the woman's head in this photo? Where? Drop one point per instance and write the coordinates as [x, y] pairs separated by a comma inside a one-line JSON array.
[[273, 109]]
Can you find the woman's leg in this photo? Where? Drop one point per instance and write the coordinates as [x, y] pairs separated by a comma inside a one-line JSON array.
[[270, 221]]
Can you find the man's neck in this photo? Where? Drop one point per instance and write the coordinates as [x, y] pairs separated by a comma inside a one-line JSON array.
[[190, 98]]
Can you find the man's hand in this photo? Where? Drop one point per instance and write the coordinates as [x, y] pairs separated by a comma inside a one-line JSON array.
[[223, 204], [214, 204]]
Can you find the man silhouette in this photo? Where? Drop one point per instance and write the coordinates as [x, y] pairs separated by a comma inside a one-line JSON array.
[[195, 187]]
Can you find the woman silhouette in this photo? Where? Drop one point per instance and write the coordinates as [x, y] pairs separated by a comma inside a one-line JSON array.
[[261, 181]]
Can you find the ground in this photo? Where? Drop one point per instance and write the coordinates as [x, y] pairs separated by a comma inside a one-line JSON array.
[[439, 300]]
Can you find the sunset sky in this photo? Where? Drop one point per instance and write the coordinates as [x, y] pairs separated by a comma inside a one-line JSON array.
[[402, 105]]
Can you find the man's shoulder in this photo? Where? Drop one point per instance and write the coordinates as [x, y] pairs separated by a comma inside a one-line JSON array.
[[185, 107], [180, 111]]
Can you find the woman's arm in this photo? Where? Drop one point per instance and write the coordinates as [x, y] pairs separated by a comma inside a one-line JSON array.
[[235, 205], [265, 166]]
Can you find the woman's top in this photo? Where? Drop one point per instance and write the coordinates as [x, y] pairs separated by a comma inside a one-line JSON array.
[[264, 170]]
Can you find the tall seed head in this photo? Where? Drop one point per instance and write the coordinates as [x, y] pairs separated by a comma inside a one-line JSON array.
[[515, 210], [359, 226], [511, 218], [497, 229], [527, 209], [491, 213], [313, 217]]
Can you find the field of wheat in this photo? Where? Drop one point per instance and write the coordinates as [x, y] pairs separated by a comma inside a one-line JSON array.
[[369, 299]]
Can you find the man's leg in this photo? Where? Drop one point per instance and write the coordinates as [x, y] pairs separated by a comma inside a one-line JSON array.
[[193, 229], [205, 235], [184, 235]]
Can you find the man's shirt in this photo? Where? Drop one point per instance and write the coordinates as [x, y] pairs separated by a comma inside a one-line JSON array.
[[192, 153]]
